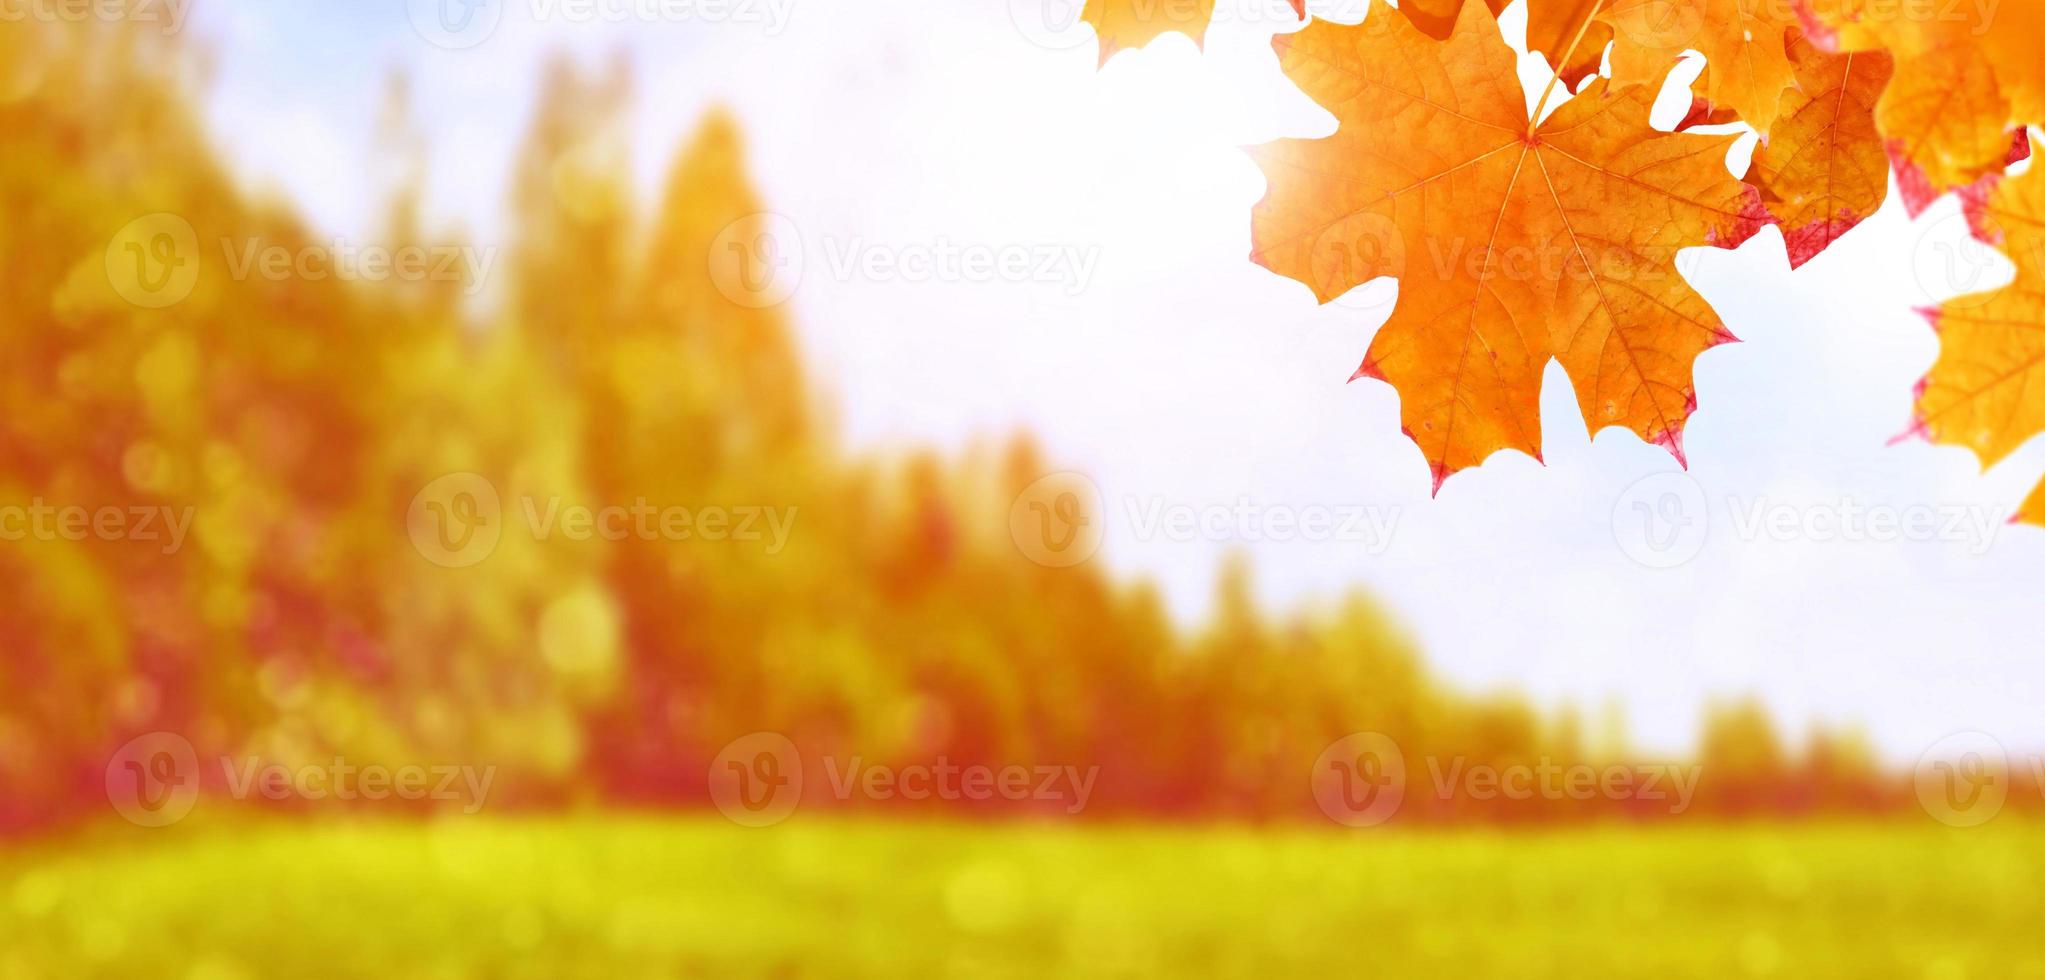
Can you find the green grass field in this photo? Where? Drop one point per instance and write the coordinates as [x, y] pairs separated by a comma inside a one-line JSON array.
[[628, 897]]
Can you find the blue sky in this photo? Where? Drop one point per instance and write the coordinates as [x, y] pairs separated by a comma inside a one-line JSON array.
[[1181, 378]]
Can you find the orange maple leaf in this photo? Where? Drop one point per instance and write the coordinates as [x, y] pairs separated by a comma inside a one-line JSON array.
[[1123, 24], [1120, 24], [1746, 67], [2032, 510], [1966, 73], [1986, 391], [1514, 241], [1570, 29], [1437, 18], [1823, 169]]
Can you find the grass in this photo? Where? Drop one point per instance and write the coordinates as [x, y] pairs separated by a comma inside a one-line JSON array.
[[631, 897]]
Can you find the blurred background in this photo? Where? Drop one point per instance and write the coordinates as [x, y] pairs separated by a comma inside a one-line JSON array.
[[553, 489]]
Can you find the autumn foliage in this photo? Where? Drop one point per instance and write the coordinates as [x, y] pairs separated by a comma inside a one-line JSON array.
[[1433, 155], [1561, 233]]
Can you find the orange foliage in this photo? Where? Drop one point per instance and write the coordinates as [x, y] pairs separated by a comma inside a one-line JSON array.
[[1822, 170], [1515, 242]]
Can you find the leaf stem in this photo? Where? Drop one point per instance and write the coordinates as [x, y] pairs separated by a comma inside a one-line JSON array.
[[1534, 119]]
